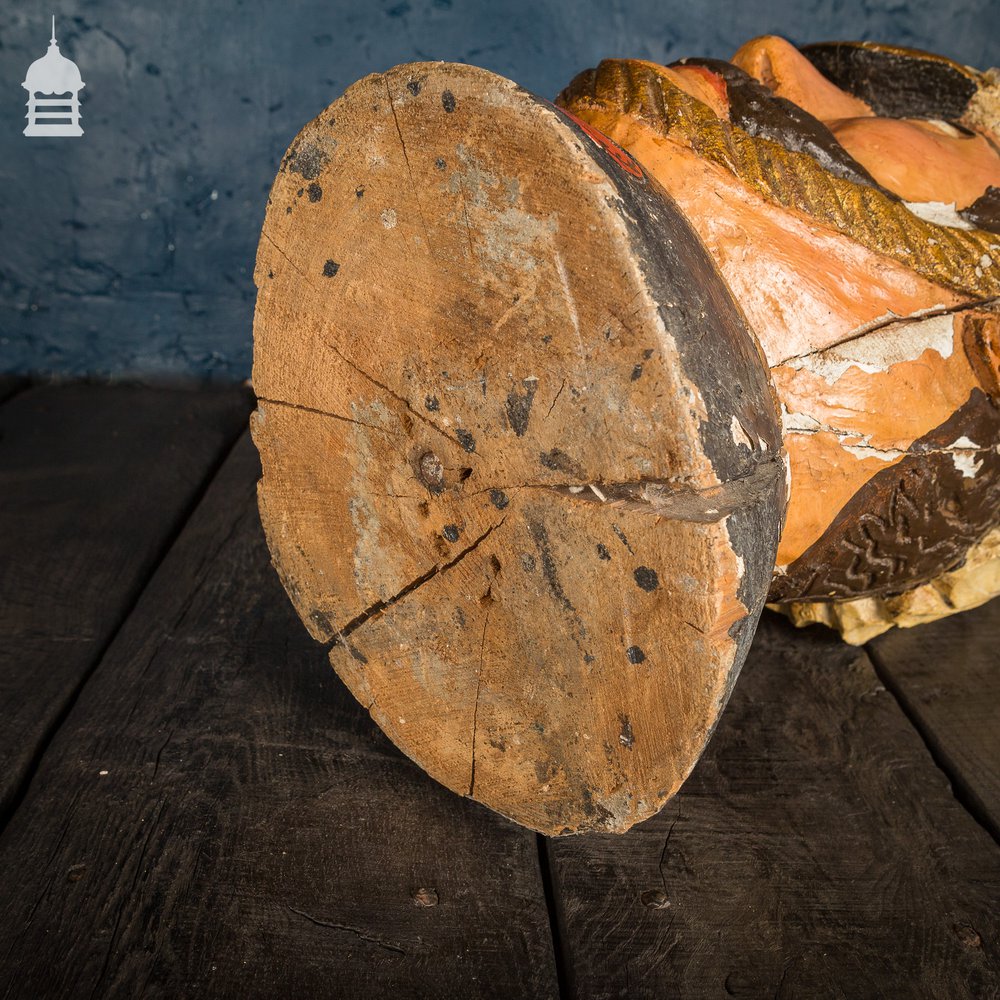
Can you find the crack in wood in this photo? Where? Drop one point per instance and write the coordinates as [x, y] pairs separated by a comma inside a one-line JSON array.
[[521, 300], [882, 322], [475, 709], [668, 498], [570, 302], [409, 169], [488, 598], [663, 853], [127, 898], [295, 267], [961, 791], [888, 453], [395, 395], [324, 413], [69, 812], [555, 399], [159, 753], [468, 228], [379, 606], [357, 931]]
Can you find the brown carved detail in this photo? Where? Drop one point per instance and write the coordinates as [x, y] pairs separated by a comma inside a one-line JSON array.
[[911, 522]]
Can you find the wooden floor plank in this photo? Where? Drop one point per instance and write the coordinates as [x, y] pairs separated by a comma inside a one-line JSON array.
[[816, 852], [94, 481], [219, 818], [10, 384], [947, 676]]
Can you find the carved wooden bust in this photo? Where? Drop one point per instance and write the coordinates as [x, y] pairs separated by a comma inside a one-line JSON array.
[[553, 400]]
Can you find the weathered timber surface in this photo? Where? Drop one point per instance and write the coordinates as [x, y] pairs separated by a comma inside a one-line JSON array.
[[521, 458], [947, 676], [816, 851], [94, 481], [254, 834]]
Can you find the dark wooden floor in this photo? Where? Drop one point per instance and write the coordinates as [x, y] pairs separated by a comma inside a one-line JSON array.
[[194, 806]]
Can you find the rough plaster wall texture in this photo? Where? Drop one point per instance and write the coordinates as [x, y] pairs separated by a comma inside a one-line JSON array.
[[130, 250]]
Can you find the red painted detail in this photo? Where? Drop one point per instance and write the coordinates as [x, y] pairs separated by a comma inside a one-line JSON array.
[[625, 160]]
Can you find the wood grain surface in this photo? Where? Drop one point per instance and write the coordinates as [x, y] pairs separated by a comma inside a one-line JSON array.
[[816, 851], [522, 463], [947, 677], [218, 818], [94, 482]]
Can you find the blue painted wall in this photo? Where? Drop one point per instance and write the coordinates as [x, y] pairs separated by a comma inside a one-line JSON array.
[[131, 250]]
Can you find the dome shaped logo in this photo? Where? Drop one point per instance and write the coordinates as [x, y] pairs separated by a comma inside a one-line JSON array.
[[53, 84]]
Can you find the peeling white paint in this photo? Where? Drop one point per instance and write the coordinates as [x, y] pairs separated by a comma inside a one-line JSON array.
[[879, 350], [941, 213], [964, 457], [861, 446], [514, 236], [867, 451], [965, 442], [739, 433], [966, 464], [801, 422]]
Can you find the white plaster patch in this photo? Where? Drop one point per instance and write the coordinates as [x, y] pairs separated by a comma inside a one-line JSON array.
[[499, 94], [389, 218], [946, 127], [619, 804], [803, 423]]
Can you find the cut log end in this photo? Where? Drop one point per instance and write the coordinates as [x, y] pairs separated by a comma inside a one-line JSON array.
[[521, 462]]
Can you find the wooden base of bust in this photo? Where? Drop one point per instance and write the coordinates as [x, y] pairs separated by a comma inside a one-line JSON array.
[[521, 463]]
